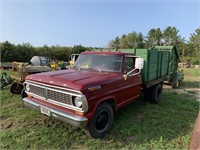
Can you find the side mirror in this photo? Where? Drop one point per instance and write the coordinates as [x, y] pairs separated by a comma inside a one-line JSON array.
[[139, 63]]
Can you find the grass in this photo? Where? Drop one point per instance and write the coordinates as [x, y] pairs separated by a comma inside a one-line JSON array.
[[192, 78], [140, 125]]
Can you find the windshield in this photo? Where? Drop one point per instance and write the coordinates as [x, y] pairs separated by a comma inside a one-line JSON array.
[[110, 63]]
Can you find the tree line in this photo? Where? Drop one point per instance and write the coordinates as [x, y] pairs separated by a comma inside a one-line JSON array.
[[169, 36], [24, 52], [190, 50]]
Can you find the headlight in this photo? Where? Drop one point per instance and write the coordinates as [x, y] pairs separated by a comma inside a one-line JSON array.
[[27, 88], [78, 102]]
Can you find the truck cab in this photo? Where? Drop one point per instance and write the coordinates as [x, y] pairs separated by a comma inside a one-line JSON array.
[[87, 95]]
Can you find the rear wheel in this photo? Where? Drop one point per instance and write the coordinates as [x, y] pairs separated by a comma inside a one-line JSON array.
[[101, 122], [16, 88], [156, 93], [175, 83]]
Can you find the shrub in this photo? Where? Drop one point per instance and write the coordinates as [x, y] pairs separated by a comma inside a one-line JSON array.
[[194, 61]]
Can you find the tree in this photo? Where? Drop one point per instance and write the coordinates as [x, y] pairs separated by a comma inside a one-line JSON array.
[[24, 51], [123, 41], [170, 35], [154, 37], [158, 36], [7, 51], [194, 43], [77, 49], [151, 38], [182, 46], [132, 39], [110, 44], [140, 40], [116, 43]]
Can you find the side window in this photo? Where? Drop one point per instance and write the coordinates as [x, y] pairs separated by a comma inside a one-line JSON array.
[[129, 64]]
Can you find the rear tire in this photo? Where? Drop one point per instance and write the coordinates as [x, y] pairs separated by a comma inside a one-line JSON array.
[[175, 83], [16, 88], [101, 122], [156, 93]]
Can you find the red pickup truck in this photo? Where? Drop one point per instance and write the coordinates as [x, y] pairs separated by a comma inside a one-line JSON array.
[[88, 94]]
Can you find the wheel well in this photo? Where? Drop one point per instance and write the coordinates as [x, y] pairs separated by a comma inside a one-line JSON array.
[[111, 102]]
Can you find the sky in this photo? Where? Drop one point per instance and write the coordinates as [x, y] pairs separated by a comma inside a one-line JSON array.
[[92, 22]]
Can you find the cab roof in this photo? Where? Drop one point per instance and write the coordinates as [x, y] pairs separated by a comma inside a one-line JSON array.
[[111, 52]]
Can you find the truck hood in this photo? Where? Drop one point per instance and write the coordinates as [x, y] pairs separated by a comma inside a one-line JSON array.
[[74, 79]]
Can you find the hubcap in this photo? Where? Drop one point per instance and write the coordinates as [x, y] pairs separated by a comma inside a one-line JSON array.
[[101, 121]]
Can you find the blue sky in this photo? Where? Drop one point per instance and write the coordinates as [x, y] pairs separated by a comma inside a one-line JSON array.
[[92, 22]]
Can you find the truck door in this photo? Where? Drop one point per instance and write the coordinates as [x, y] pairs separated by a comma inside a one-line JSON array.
[[132, 86]]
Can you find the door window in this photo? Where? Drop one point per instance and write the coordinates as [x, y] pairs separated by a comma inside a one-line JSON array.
[[129, 64]]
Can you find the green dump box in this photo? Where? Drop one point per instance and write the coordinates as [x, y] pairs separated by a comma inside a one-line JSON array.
[[160, 64]]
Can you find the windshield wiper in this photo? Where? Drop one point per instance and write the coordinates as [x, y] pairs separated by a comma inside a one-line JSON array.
[[74, 67], [95, 69]]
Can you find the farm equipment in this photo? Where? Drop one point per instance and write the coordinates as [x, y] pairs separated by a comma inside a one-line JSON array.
[[23, 71], [44, 61], [5, 65], [5, 80], [74, 57], [57, 65], [72, 61], [37, 64], [39, 61]]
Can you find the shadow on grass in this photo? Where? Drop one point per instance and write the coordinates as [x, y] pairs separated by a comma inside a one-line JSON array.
[[142, 122], [190, 84]]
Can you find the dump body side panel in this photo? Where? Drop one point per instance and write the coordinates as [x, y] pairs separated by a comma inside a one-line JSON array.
[[164, 63], [173, 61], [156, 64]]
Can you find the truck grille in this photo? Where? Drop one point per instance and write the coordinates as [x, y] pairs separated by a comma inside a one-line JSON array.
[[50, 94], [37, 90]]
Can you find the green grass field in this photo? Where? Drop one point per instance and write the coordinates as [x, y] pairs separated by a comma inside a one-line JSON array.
[[140, 125], [192, 78]]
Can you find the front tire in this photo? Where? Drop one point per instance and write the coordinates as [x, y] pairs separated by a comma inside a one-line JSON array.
[[101, 122], [23, 93]]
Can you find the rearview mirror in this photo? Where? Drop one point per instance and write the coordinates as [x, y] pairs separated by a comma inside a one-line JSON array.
[[139, 63]]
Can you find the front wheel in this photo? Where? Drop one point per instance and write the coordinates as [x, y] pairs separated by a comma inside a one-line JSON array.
[[101, 122], [23, 93]]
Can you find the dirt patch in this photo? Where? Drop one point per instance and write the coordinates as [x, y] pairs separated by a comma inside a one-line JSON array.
[[20, 124], [8, 124], [192, 91]]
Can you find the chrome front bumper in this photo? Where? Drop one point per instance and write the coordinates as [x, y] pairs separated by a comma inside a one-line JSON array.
[[63, 116]]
